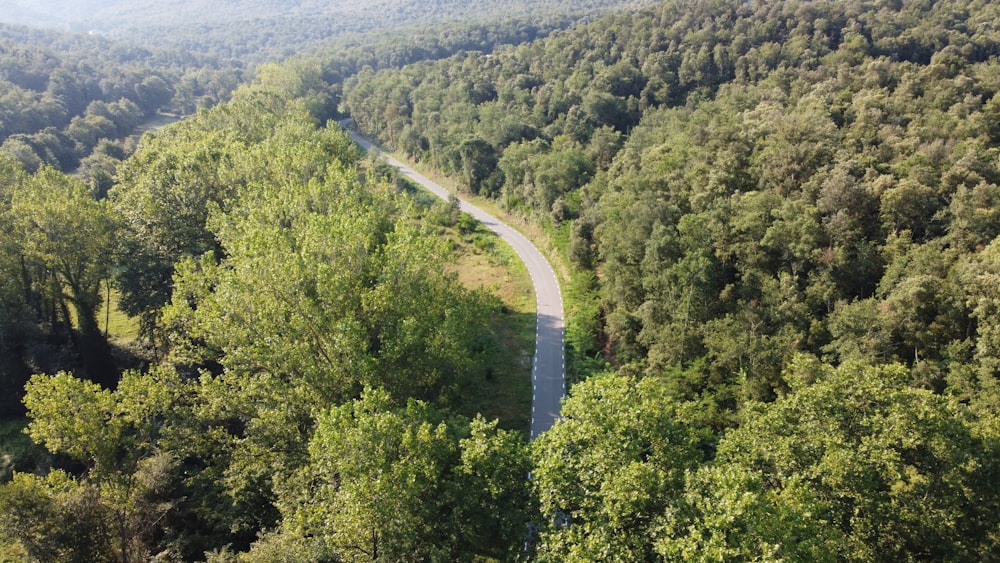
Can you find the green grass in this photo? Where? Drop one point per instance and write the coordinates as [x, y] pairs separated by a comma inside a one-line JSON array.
[[155, 122], [552, 242], [118, 326], [534, 233], [482, 261], [485, 262]]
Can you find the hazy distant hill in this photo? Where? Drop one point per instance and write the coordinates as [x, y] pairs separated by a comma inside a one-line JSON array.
[[116, 15], [241, 24]]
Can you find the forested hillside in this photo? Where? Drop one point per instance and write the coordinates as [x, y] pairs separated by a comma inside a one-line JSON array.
[[69, 101], [257, 31], [768, 203], [50, 80], [779, 220], [300, 309], [747, 182]]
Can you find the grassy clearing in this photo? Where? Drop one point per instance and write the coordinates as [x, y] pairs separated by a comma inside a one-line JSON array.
[[485, 262], [482, 261], [155, 122], [117, 325]]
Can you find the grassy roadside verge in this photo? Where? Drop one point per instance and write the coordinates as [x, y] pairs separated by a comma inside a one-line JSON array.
[[482, 261], [579, 289]]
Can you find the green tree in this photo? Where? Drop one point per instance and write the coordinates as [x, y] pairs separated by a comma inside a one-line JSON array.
[[153, 93], [558, 172], [300, 79], [980, 278], [479, 166], [495, 497], [608, 469], [728, 513], [18, 149], [16, 316], [54, 518], [407, 484], [162, 199], [321, 284], [166, 190], [853, 463], [65, 236], [115, 435]]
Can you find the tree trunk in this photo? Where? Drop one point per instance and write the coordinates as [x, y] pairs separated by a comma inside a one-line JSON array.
[[91, 343]]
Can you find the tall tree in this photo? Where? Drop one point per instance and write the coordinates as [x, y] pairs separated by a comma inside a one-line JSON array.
[[852, 464], [608, 469], [406, 484], [321, 284], [124, 489], [65, 236]]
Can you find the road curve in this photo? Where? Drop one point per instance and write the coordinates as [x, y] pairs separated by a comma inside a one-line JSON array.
[[548, 374]]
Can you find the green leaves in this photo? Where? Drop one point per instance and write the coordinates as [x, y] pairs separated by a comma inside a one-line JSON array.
[[331, 283], [385, 484], [167, 191], [387, 468], [858, 464], [849, 464], [726, 513], [81, 430], [608, 469], [108, 431], [129, 483], [62, 240], [54, 518]]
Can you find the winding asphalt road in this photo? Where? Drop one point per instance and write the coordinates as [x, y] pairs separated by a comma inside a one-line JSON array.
[[548, 374]]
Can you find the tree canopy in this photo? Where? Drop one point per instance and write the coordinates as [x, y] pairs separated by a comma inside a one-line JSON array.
[[745, 182], [779, 225]]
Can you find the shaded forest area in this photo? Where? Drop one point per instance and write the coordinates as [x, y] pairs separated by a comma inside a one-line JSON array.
[[780, 219]]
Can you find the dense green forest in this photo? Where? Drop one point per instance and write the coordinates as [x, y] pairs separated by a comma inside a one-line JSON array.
[[745, 182], [779, 221], [258, 31], [740, 187], [279, 275], [71, 101]]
